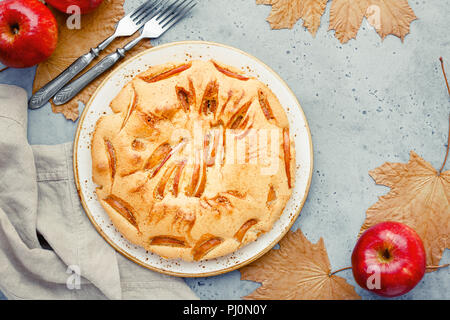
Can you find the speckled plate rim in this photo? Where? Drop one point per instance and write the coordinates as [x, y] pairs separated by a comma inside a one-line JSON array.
[[128, 255]]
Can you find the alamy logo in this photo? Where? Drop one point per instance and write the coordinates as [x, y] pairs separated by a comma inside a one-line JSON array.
[[374, 281], [74, 280], [373, 14], [74, 20]]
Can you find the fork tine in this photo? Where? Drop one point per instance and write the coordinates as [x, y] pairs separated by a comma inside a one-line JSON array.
[[171, 11], [162, 7], [146, 15], [141, 8], [177, 17]]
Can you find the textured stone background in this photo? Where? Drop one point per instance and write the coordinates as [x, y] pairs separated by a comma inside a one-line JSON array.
[[367, 102]]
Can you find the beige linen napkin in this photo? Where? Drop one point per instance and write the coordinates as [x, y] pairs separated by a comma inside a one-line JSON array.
[[38, 196]]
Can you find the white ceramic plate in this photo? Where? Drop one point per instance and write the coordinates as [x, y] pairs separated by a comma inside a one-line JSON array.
[[184, 51]]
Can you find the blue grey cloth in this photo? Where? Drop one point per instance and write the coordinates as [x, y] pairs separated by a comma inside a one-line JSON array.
[[39, 204]]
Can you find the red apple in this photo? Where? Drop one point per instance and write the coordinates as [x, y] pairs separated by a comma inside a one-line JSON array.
[[85, 6], [28, 33], [389, 259]]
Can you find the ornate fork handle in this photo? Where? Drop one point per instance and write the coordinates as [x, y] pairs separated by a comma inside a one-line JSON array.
[[73, 88], [46, 92]]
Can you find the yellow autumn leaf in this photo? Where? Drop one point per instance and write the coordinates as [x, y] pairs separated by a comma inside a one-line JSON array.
[[386, 16], [299, 270], [285, 13], [346, 17], [390, 17], [419, 197]]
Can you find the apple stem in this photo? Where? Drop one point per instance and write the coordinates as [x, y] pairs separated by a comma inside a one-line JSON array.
[[448, 142], [438, 267], [3, 69], [445, 76], [339, 270], [448, 146]]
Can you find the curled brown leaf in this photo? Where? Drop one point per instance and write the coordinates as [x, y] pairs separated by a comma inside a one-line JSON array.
[[299, 270]]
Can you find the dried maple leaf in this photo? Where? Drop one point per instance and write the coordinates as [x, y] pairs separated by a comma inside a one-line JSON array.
[[386, 16], [285, 13], [346, 17], [390, 17], [419, 197], [299, 270], [73, 43]]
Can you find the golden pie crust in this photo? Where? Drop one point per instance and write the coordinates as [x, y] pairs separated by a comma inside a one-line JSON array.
[[195, 161]]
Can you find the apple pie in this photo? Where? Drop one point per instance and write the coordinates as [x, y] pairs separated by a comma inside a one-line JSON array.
[[195, 161]]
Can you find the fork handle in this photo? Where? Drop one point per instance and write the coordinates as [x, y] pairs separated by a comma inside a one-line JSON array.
[[44, 94], [73, 88]]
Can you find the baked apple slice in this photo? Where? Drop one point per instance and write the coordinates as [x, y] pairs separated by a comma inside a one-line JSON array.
[[166, 74], [203, 247]]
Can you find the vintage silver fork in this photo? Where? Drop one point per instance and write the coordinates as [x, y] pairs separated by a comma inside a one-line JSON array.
[[163, 18], [127, 26]]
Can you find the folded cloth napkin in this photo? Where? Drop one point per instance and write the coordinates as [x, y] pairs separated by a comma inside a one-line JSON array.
[[38, 200]]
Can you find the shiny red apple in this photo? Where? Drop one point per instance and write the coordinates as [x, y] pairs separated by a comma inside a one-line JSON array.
[[28, 33], [85, 6], [389, 259]]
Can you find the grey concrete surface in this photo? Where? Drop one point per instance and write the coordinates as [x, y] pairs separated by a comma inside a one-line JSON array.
[[367, 102]]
